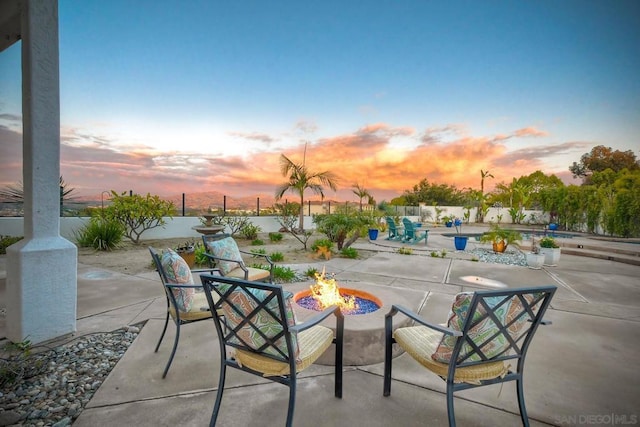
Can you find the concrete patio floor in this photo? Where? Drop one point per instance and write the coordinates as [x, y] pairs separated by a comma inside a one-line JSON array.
[[582, 369]]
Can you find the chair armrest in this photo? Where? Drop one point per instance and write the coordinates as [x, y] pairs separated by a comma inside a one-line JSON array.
[[217, 258], [395, 309], [265, 256], [314, 320], [181, 286], [207, 270]]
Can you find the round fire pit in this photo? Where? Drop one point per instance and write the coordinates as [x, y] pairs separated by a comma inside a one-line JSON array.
[[363, 333], [365, 302]]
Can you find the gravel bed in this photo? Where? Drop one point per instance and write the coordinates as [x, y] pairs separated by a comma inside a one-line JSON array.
[[52, 387], [509, 257]]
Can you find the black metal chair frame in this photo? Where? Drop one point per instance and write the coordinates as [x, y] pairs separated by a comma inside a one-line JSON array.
[[206, 238], [227, 333], [171, 302], [516, 349]]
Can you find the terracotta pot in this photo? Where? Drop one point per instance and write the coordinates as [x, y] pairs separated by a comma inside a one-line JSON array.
[[189, 257], [500, 246]]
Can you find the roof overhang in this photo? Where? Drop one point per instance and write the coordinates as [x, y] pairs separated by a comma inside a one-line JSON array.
[[10, 27]]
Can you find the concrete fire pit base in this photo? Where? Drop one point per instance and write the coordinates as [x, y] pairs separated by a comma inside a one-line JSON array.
[[364, 333]]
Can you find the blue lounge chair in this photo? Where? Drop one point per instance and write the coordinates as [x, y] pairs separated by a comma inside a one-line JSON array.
[[413, 234], [395, 232]]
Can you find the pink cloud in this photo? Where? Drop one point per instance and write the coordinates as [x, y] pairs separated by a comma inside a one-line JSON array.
[[446, 155]]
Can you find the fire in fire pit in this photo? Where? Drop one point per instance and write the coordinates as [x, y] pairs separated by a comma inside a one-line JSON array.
[[325, 293]]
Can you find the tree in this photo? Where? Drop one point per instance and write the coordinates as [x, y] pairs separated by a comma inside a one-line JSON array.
[[302, 179], [138, 213], [601, 158], [484, 206], [432, 194], [483, 175], [361, 192], [345, 226]]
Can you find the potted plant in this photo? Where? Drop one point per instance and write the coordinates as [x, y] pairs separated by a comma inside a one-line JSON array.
[[448, 221], [535, 259], [501, 238], [459, 241], [187, 251], [551, 251]]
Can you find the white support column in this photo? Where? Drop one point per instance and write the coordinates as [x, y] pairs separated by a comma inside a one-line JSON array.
[[42, 268]]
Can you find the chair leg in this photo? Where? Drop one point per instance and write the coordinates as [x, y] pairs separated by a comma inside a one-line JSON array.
[[166, 322], [450, 412], [388, 342], [173, 352], [338, 362], [216, 407], [292, 401], [523, 408]]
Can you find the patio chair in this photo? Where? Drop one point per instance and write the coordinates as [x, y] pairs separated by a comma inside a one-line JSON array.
[[258, 326], [223, 253], [485, 330], [413, 234], [184, 303], [395, 232]]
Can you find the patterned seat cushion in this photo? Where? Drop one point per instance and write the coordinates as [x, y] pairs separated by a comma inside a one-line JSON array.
[[268, 325], [225, 248], [179, 273], [483, 330]]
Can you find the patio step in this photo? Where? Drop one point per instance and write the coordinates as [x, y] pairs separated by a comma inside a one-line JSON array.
[[617, 254], [611, 254]]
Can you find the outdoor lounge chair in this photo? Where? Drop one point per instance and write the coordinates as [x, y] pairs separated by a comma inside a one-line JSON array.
[[485, 330], [257, 334], [413, 234], [223, 253], [184, 303], [395, 232]]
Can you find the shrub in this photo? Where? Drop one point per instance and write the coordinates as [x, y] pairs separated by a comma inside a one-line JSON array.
[[201, 258], [311, 272], [257, 242], [275, 237], [324, 243], [284, 274], [548, 242], [100, 234], [260, 251], [6, 241], [405, 251], [277, 257], [249, 231], [349, 253]]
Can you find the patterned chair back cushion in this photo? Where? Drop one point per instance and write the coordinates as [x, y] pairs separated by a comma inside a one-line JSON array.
[[178, 273], [267, 320], [225, 248], [485, 329]]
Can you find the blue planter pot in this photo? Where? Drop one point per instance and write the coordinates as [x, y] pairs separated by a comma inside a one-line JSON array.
[[553, 227], [373, 234], [460, 242], [448, 224]]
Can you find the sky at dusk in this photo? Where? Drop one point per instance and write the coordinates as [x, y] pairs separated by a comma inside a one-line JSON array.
[[174, 97]]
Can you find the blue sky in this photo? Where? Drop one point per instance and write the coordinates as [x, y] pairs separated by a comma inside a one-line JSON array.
[[169, 95]]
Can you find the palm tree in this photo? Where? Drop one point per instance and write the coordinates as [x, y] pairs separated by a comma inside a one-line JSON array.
[[361, 192], [483, 175], [301, 179]]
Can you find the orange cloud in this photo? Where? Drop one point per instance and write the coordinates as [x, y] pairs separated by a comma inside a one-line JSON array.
[[385, 159]]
